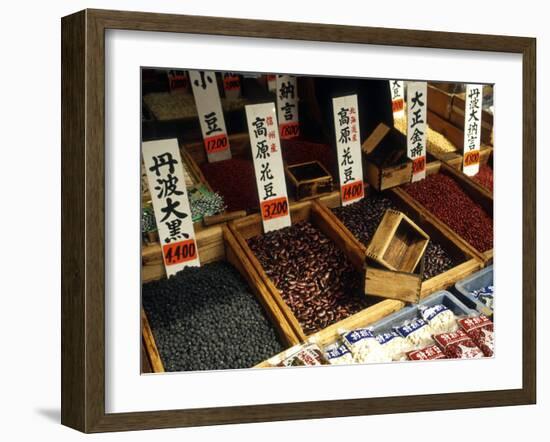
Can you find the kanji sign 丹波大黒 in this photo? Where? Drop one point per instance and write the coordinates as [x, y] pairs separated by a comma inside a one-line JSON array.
[[268, 165], [166, 181], [209, 111], [397, 97], [287, 106], [472, 128], [417, 105], [348, 145]]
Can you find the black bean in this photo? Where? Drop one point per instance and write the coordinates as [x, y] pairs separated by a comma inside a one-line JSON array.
[[207, 319]]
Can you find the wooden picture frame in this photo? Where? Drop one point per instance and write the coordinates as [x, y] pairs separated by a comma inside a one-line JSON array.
[[83, 216]]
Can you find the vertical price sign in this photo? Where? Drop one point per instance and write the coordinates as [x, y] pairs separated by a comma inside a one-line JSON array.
[[177, 81], [231, 85], [166, 181], [268, 166], [287, 107], [397, 90], [209, 110], [417, 104], [472, 128], [348, 144]]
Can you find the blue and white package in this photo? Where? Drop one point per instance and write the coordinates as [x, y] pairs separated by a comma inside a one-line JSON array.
[[338, 354], [440, 318], [393, 345], [417, 332], [364, 346]]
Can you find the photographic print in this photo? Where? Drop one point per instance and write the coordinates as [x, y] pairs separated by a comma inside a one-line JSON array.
[[296, 220]]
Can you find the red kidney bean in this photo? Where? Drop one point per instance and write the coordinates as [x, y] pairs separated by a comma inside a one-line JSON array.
[[443, 197], [314, 277]]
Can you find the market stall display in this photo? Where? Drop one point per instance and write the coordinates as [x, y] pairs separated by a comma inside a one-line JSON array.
[[346, 283]]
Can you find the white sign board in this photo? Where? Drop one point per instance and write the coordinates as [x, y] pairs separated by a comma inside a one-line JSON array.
[[417, 133], [348, 145], [231, 85], [271, 82], [268, 166], [472, 128], [209, 111], [287, 107], [397, 90], [166, 181]]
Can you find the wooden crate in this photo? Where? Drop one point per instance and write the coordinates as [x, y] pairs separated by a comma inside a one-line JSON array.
[[385, 162], [469, 262], [364, 318], [398, 243], [214, 244], [474, 191], [439, 102], [308, 180], [250, 226]]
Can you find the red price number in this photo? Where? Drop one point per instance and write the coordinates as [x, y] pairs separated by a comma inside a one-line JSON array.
[[397, 105], [471, 158], [419, 164], [289, 130], [231, 83], [216, 144], [179, 252], [274, 208], [352, 191]]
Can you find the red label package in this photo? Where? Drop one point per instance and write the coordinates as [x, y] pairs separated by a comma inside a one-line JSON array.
[[480, 329], [458, 345], [426, 354]]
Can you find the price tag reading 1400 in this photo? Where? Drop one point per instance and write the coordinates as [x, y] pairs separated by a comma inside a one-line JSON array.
[[179, 252], [352, 191], [274, 208]]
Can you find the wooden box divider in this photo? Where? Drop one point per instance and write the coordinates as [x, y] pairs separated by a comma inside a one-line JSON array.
[[384, 176], [439, 102], [214, 244], [480, 196], [302, 188], [398, 244], [250, 226], [470, 262]]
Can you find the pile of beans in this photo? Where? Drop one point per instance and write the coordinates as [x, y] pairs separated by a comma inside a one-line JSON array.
[[206, 319], [443, 197], [314, 277], [234, 179], [298, 151], [363, 217], [485, 177]]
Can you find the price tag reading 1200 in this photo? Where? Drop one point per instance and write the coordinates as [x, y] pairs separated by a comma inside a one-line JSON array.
[[274, 208], [216, 144], [179, 252], [352, 191]]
